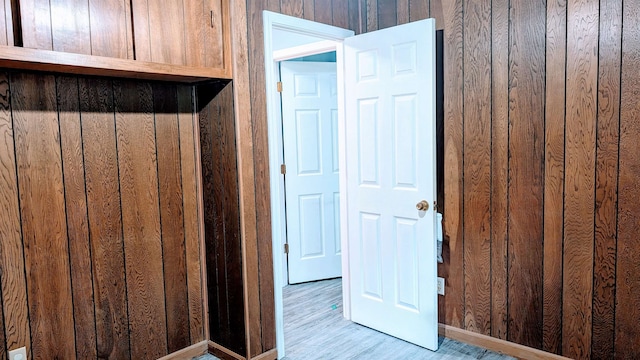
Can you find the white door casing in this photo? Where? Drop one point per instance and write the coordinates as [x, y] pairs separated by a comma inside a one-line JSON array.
[[310, 138], [391, 166]]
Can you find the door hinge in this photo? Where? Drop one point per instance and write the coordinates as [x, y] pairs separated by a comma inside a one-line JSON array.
[[279, 86], [283, 169], [286, 248]]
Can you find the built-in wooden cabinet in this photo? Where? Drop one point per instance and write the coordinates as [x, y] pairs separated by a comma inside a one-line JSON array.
[[184, 40]]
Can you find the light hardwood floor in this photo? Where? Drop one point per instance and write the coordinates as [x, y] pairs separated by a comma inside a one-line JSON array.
[[315, 329]]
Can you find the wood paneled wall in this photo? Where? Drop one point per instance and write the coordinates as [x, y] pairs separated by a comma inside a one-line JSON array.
[[100, 250], [541, 168], [221, 216]]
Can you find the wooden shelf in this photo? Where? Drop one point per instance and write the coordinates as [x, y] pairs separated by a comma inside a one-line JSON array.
[[54, 61]]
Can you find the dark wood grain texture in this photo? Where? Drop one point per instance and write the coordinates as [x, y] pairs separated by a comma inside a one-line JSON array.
[[77, 218], [194, 43], [477, 166], [371, 15], [341, 11], [3, 346], [111, 28], [627, 345], [292, 8], [165, 107], [140, 218], [526, 166], [43, 215], [214, 33], [14, 289], [419, 9], [499, 165], [322, 12], [606, 212], [190, 212], [6, 23], [355, 16], [554, 175], [387, 13], [451, 308], [580, 147], [402, 11], [105, 218], [167, 25], [309, 9], [70, 29]]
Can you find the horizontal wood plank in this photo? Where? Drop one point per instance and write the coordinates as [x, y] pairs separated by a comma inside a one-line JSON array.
[[53, 61]]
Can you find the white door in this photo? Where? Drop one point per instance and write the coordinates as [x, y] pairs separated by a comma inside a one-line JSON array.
[[390, 168], [310, 137]]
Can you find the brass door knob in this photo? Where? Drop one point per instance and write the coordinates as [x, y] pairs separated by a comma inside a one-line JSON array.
[[422, 205]]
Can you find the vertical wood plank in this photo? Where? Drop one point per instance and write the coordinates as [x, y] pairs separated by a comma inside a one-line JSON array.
[[14, 287], [580, 147], [322, 12], [402, 11], [141, 29], [140, 218], [233, 253], [6, 23], [477, 166], [340, 11], [165, 106], [435, 11], [451, 308], [35, 19], [604, 267], [3, 347], [77, 220], [243, 32], [371, 15], [213, 34], [190, 206], [387, 13], [166, 23], [419, 9], [292, 8], [499, 165], [111, 28], [309, 9], [627, 267], [43, 215], [70, 30], [526, 166], [105, 218], [554, 175], [355, 18], [194, 44]]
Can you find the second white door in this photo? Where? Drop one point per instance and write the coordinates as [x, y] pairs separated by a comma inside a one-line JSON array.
[[310, 137]]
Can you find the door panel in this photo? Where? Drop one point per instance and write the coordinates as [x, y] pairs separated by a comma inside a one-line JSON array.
[[310, 130], [390, 151]]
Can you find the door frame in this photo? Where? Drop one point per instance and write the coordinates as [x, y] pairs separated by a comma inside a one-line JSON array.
[[322, 38]]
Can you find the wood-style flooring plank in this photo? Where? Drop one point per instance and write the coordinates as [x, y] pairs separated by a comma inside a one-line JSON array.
[[105, 218], [141, 218], [554, 175], [370, 8], [604, 267], [111, 28], [402, 11], [340, 11], [42, 208], [451, 308], [526, 171], [70, 30], [580, 148], [499, 165], [165, 106], [190, 211], [436, 12], [77, 218], [477, 166], [14, 287], [355, 18], [627, 306]]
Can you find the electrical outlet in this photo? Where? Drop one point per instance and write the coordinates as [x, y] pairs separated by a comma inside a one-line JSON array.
[[18, 354], [440, 286]]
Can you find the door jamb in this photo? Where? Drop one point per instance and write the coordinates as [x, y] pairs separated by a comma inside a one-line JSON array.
[[327, 38]]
